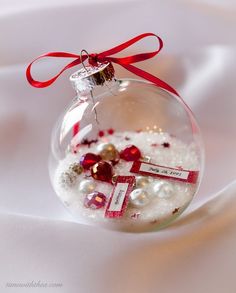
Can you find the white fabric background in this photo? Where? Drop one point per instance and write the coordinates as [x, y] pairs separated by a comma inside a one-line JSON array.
[[39, 240]]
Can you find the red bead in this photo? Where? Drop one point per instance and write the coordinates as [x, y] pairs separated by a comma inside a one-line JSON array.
[[102, 171], [130, 153], [95, 200], [89, 159]]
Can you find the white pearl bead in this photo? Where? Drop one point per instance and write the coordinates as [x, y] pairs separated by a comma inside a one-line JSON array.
[[139, 198], [87, 186], [163, 189], [141, 181]]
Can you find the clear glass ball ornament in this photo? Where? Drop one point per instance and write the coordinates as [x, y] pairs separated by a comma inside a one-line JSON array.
[[111, 126]]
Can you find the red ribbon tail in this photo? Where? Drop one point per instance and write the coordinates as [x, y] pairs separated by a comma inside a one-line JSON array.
[[153, 79]]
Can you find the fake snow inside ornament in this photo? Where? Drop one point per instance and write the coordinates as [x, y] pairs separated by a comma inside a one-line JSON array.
[[139, 149]]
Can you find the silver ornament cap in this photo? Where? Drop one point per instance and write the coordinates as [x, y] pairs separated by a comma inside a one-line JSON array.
[[85, 79]]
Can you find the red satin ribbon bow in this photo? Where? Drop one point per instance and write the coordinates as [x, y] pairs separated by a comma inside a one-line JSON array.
[[125, 62]]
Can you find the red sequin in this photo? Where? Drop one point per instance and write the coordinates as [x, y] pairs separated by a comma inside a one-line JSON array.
[[89, 159], [102, 171], [130, 153]]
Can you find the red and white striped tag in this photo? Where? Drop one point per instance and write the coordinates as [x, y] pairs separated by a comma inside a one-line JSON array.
[[120, 197], [164, 172]]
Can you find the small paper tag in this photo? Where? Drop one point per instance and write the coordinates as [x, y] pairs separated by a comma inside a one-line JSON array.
[[120, 197], [164, 172]]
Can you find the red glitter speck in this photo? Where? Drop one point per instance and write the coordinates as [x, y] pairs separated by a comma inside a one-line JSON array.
[[110, 131], [101, 133], [154, 144], [135, 215], [87, 142], [175, 211], [166, 145]]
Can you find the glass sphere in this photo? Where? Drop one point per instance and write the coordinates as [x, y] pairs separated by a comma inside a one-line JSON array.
[[117, 129]]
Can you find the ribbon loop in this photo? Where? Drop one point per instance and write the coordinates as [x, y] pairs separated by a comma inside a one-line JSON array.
[[94, 58]]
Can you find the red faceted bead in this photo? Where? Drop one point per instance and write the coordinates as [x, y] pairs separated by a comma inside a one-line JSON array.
[[95, 200], [89, 159], [130, 153], [102, 171]]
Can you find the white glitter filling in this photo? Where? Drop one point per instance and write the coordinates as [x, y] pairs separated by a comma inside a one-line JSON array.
[[160, 209]]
